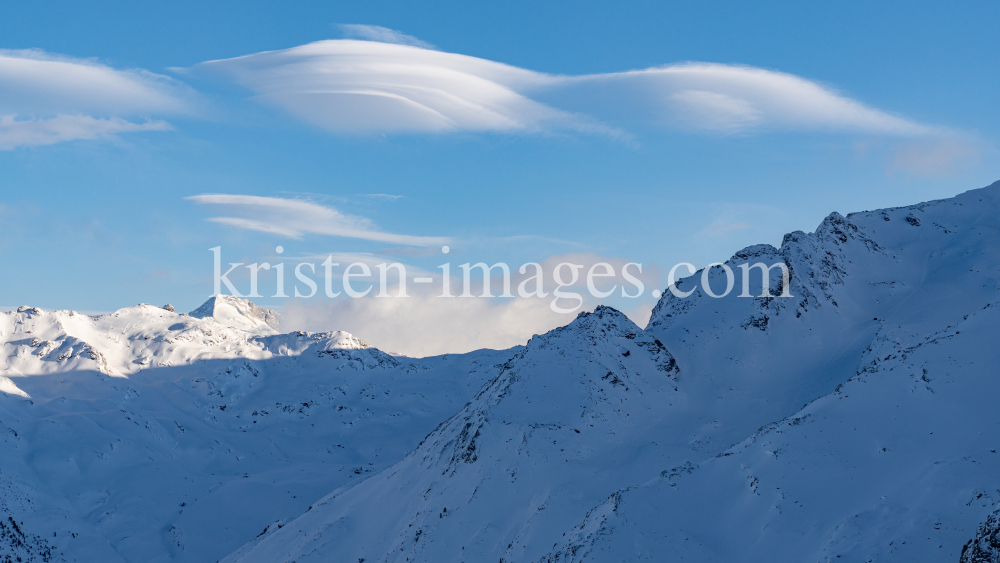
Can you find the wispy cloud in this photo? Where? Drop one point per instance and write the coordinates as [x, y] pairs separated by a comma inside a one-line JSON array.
[[33, 132], [381, 34], [349, 86], [385, 197], [49, 98], [295, 218], [937, 157]]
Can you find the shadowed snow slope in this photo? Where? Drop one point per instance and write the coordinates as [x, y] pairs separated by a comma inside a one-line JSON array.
[[854, 420], [146, 435]]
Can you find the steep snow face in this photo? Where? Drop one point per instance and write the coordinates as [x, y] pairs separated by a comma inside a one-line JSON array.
[[915, 266], [555, 430], [899, 464], [842, 421], [145, 435]]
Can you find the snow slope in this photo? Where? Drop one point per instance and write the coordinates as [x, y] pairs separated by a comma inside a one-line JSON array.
[[146, 435], [855, 421]]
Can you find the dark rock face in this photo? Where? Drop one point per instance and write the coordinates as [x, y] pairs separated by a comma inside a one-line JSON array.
[[985, 547]]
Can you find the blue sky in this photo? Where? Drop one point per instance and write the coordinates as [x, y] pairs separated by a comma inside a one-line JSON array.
[[522, 137]]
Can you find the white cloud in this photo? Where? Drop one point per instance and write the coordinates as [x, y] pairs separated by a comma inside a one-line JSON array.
[[717, 111], [46, 98], [424, 323], [33, 132], [381, 34], [295, 218], [349, 86], [366, 86], [734, 98]]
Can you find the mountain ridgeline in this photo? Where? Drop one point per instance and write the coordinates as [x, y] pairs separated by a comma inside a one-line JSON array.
[[853, 421]]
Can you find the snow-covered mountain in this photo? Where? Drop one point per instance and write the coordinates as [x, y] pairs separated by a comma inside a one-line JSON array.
[[854, 421], [147, 435], [850, 422]]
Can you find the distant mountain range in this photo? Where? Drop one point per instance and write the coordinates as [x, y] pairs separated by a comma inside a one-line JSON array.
[[854, 421]]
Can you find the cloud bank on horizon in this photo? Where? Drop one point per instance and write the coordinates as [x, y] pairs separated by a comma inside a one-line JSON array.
[[465, 324], [47, 99]]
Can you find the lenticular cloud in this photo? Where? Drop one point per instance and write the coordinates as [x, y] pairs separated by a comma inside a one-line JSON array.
[[295, 218], [350, 86], [47, 99], [357, 86]]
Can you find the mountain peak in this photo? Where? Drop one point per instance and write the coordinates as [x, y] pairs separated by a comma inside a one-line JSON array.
[[342, 340], [236, 312], [602, 315]]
